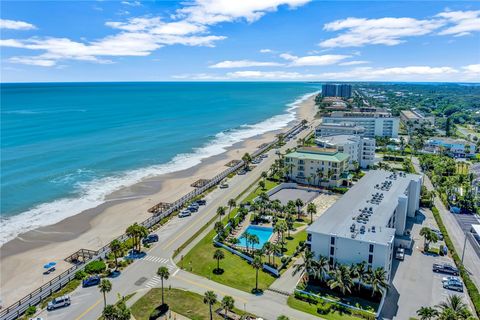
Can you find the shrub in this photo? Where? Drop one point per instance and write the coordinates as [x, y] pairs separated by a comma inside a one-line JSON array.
[[31, 311], [159, 312], [324, 308], [80, 275], [95, 267]]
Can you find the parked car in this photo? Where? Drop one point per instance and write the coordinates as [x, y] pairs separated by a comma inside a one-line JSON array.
[[224, 186], [194, 205], [400, 255], [453, 285], [265, 155], [201, 202], [150, 238], [448, 278], [184, 213], [192, 209], [242, 172], [59, 302], [91, 281], [445, 268]]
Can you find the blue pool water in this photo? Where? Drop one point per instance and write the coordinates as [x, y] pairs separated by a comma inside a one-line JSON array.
[[263, 234], [66, 146]]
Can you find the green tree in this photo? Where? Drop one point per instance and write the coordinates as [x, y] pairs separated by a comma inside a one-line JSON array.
[[163, 273], [116, 248], [218, 255], [455, 305], [220, 213], [311, 209], [323, 268], [264, 175], [210, 298], [105, 286], [299, 204], [340, 279], [308, 266], [257, 265], [247, 159], [253, 241], [378, 280], [261, 184], [429, 237], [227, 304], [231, 204], [267, 249], [427, 313]]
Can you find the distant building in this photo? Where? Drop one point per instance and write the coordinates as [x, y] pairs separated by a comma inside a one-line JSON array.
[[337, 90], [456, 148], [368, 221], [342, 128], [379, 123], [414, 119], [359, 149], [309, 165]]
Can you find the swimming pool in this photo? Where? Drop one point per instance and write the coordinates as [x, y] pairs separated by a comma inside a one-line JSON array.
[[263, 234]]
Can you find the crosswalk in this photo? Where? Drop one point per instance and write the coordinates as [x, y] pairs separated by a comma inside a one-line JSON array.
[[156, 259], [156, 280]]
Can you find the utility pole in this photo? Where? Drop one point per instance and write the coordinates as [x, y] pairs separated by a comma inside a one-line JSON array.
[[464, 245]]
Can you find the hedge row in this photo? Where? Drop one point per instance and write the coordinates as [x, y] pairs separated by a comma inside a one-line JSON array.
[[471, 288]]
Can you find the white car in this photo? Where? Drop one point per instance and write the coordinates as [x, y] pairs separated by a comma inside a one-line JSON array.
[[450, 278], [224, 186], [59, 302], [184, 213], [400, 255]]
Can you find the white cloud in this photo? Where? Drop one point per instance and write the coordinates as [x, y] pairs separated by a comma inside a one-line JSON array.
[[464, 22], [472, 68], [353, 63], [16, 25], [244, 64], [266, 51], [33, 61], [140, 36], [269, 75], [322, 60], [132, 3], [386, 31], [210, 12]]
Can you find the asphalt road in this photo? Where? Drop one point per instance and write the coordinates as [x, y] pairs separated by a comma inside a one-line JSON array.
[[87, 303]]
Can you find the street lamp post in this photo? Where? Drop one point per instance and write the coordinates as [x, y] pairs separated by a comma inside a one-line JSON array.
[[464, 245]]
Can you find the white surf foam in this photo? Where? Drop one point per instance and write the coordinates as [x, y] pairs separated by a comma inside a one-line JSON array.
[[94, 193]]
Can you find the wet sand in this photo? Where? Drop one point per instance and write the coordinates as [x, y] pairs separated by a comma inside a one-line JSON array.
[[21, 259]]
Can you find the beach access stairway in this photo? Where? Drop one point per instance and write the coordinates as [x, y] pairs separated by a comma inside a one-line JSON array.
[[16, 309]]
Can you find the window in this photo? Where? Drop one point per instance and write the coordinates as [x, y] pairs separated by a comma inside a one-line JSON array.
[[332, 240], [332, 251], [309, 237], [371, 248], [370, 258]]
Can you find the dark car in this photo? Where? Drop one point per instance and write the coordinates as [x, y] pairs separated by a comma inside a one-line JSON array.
[[202, 202], [150, 238], [192, 209], [91, 281], [445, 268]]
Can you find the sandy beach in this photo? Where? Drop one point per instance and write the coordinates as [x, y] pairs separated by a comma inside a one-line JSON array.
[[22, 259]]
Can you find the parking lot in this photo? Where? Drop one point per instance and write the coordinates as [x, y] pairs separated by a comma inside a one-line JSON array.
[[414, 283], [287, 194]]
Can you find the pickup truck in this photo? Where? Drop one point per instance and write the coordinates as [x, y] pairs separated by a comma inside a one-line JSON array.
[[445, 268]]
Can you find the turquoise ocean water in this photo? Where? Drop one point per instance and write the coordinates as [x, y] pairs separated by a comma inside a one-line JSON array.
[[66, 146]]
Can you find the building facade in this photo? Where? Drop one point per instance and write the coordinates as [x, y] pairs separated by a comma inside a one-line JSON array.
[[376, 124], [363, 225], [456, 148], [360, 150], [342, 128], [317, 166], [337, 90]]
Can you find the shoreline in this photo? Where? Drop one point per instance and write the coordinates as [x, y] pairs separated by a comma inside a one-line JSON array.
[[91, 229]]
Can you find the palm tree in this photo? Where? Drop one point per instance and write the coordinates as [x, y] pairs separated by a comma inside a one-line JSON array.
[[323, 267], [231, 204], [378, 280], [427, 313], [220, 212], [227, 304], [363, 274], [246, 160], [253, 241], [105, 286], [299, 204], [246, 236], [261, 184], [257, 265], [264, 175], [267, 249], [309, 266], [319, 173], [163, 273], [210, 298], [116, 248], [340, 278], [132, 233], [218, 227], [429, 237], [456, 305], [218, 255], [311, 209], [280, 228]]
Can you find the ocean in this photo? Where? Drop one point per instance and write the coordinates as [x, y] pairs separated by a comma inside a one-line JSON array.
[[66, 146]]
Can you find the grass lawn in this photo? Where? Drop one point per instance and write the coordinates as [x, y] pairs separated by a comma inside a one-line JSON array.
[[292, 244], [268, 185], [312, 309], [186, 303]]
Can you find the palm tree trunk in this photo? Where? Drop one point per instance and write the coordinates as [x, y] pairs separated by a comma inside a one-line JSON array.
[[163, 302], [116, 262], [104, 299], [256, 281], [211, 315], [218, 264]]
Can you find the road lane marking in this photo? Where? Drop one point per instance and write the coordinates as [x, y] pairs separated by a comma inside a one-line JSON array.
[[88, 310], [210, 288]]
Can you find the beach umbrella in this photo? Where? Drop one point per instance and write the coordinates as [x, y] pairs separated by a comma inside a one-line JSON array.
[[46, 266]]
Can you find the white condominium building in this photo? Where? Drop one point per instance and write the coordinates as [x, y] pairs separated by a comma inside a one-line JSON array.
[[333, 129], [317, 166], [359, 149], [362, 225], [380, 124]]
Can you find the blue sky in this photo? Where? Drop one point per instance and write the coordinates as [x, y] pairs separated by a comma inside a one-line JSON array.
[[238, 40]]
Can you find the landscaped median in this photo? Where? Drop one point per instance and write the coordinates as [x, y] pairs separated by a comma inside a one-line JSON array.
[[471, 288]]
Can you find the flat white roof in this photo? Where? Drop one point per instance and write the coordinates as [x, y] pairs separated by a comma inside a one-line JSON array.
[[368, 205]]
